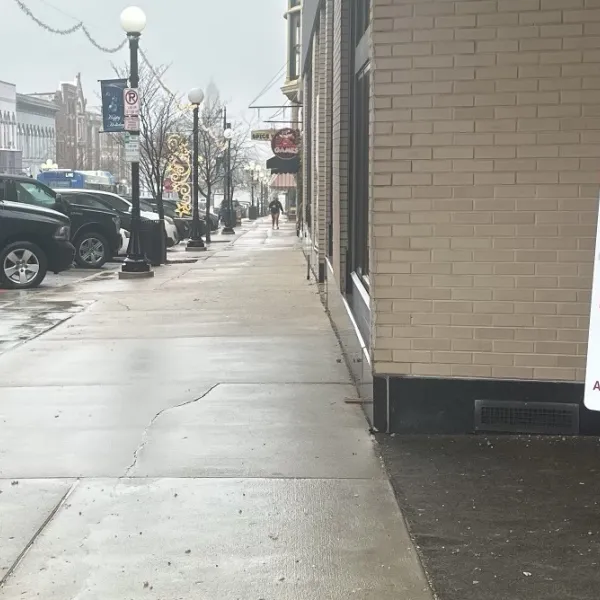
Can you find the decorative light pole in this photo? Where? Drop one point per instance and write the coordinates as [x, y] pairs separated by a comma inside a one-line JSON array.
[[133, 21], [228, 229], [264, 186], [195, 243], [253, 170]]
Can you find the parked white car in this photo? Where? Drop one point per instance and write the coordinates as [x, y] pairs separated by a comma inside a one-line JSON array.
[[124, 241], [170, 230]]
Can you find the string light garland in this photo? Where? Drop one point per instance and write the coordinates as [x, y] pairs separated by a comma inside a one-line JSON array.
[[70, 30], [80, 26]]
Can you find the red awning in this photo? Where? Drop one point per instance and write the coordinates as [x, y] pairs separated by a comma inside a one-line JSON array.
[[283, 181]]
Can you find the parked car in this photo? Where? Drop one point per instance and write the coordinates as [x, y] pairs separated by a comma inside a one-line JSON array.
[[182, 223], [124, 242], [94, 231], [33, 241], [123, 208]]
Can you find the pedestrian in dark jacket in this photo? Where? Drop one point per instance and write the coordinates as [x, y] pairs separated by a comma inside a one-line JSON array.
[[276, 209]]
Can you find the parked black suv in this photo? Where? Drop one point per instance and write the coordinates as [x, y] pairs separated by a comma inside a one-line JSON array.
[[33, 240], [94, 232]]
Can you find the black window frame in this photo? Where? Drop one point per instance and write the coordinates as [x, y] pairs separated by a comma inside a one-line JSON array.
[[308, 144]]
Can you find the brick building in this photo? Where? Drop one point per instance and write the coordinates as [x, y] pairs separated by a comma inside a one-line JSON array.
[[450, 195]]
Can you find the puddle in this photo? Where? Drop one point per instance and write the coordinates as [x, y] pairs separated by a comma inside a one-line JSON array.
[[26, 318]]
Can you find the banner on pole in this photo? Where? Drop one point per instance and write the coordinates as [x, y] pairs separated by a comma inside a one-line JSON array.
[[113, 109], [591, 397]]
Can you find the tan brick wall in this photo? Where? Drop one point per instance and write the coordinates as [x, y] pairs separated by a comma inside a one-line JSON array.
[[488, 125], [340, 135]]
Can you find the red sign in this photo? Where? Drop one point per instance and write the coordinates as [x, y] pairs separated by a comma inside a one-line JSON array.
[[286, 143]]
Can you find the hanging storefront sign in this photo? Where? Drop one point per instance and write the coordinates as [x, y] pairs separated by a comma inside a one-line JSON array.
[[286, 144], [591, 396], [113, 109], [263, 135]]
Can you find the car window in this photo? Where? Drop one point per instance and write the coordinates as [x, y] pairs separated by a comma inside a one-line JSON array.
[[116, 202], [146, 206], [85, 200], [30, 193]]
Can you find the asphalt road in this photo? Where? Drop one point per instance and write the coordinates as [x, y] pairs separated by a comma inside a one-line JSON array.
[[501, 517]]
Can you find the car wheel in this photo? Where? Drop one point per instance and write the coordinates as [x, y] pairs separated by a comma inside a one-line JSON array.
[[23, 265], [91, 250]]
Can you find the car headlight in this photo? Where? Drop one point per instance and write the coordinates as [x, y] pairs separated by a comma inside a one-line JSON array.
[[62, 233], [169, 220], [117, 222]]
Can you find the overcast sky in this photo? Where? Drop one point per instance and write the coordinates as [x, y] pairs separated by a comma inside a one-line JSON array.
[[240, 44]]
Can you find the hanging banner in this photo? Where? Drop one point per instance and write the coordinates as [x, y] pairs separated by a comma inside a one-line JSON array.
[[591, 397], [113, 109]]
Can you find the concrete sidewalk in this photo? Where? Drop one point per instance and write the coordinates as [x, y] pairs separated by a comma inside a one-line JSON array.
[[187, 437]]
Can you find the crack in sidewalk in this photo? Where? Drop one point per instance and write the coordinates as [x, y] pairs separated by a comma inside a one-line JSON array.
[[144, 440]]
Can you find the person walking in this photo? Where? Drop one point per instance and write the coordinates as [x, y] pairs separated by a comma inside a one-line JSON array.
[[276, 209]]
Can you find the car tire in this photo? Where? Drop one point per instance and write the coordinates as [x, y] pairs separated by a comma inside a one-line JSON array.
[[23, 265], [91, 250]]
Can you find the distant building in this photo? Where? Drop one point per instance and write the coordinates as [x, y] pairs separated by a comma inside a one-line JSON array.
[[10, 154], [36, 131], [77, 130]]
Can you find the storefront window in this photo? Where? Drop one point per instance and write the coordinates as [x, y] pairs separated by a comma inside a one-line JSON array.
[[358, 257]]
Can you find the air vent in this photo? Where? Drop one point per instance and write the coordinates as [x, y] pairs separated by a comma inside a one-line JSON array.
[[526, 417]]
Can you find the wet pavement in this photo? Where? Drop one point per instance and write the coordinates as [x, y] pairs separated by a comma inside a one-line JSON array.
[[26, 314], [188, 436], [502, 518]]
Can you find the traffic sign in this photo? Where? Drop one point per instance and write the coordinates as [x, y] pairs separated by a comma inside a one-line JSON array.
[[132, 102], [132, 147], [132, 123]]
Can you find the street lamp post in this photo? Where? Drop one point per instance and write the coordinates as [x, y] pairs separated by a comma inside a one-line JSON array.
[[133, 21], [228, 229], [195, 243], [253, 170], [265, 189]]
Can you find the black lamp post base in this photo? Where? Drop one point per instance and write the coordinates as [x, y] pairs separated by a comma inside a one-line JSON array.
[[228, 231], [195, 246], [135, 265]]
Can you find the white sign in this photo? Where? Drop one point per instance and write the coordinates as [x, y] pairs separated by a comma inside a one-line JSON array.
[[132, 102], [132, 123], [132, 147], [591, 396]]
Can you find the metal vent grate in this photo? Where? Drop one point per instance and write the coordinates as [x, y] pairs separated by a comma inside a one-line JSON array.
[[526, 417]]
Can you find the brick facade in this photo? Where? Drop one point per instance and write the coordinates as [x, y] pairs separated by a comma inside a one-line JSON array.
[[340, 137], [486, 149]]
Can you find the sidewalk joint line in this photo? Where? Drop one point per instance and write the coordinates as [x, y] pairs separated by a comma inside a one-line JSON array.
[[37, 533]]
